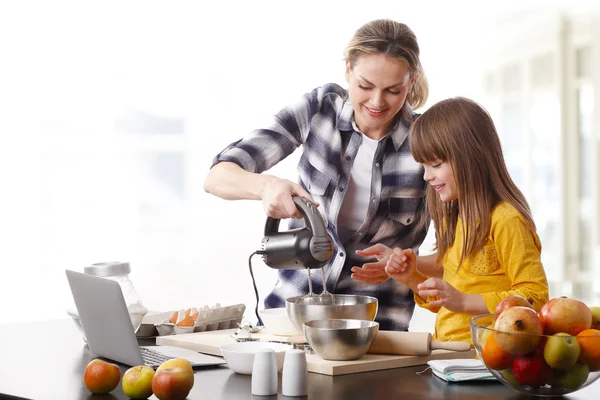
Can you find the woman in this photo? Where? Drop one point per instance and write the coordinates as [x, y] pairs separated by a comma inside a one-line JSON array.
[[356, 164]]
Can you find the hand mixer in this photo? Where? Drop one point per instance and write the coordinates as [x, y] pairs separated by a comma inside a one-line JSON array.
[[308, 247]]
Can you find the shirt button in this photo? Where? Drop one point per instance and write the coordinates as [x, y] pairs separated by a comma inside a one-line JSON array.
[[377, 165], [341, 254], [374, 201], [348, 158], [341, 189]]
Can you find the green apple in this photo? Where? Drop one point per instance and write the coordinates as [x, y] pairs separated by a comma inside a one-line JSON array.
[[484, 336], [137, 382], [574, 377], [561, 351], [509, 376], [595, 317]]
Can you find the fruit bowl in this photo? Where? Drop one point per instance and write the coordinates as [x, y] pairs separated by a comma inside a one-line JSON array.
[[538, 365]]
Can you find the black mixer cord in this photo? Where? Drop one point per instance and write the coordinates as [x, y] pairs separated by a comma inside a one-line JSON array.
[[260, 323]]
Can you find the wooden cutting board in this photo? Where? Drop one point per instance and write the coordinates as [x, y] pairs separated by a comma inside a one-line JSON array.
[[210, 343]]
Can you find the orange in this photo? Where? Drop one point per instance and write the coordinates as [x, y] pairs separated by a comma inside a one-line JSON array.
[[589, 343], [493, 355]]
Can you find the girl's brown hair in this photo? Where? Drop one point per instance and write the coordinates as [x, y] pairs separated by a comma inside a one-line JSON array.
[[462, 133], [396, 40]]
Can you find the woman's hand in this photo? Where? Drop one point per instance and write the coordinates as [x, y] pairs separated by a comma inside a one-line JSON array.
[[277, 199], [446, 295], [402, 265], [373, 272]]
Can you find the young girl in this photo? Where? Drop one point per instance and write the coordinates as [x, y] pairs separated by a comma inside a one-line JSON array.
[[487, 246]]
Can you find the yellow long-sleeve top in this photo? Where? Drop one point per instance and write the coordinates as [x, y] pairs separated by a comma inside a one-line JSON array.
[[509, 263]]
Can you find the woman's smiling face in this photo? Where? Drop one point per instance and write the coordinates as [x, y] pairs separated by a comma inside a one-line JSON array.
[[378, 86]]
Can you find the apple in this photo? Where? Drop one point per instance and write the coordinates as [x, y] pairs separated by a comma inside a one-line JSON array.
[[531, 371], [172, 383], [561, 351], [513, 300], [101, 377], [512, 324], [595, 317], [137, 382], [178, 363], [485, 335], [509, 376], [562, 314], [574, 377]]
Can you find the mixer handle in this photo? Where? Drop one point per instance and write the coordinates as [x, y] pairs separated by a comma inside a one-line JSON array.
[[314, 221]]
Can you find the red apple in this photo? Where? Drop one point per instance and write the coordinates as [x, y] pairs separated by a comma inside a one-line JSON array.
[[101, 377], [531, 371], [178, 363], [511, 326], [172, 383], [566, 315], [512, 301]]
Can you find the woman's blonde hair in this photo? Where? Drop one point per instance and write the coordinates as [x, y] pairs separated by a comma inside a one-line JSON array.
[[393, 39], [461, 132]]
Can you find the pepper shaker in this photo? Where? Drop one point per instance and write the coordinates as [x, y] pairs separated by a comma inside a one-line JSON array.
[[294, 377], [264, 373]]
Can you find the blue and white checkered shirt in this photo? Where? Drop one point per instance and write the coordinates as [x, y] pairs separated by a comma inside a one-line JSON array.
[[322, 122]]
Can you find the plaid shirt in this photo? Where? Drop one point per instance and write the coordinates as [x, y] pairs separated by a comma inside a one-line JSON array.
[[322, 122]]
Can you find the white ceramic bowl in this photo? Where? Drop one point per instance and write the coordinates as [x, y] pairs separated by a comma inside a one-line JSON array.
[[240, 356], [277, 322]]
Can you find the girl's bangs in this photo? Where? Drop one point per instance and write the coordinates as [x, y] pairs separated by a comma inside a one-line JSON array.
[[423, 144]]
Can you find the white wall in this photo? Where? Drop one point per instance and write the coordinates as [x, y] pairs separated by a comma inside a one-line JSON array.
[[75, 191]]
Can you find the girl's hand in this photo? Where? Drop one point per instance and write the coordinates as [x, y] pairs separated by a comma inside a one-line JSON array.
[[373, 272], [402, 265], [447, 296], [277, 199]]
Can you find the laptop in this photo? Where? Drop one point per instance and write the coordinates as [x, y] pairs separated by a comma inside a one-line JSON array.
[[107, 326]]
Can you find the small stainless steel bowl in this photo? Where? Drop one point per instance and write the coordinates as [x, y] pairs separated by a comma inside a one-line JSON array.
[[338, 306], [340, 339]]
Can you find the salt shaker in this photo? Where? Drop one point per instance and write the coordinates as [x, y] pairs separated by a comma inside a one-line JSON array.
[[264, 373], [294, 378]]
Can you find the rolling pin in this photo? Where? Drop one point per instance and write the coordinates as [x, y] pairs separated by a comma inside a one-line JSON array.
[[411, 344]]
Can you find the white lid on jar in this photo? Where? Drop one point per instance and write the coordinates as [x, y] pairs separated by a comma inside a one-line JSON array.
[[109, 268]]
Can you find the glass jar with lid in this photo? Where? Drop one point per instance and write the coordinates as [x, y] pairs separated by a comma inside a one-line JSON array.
[[119, 272]]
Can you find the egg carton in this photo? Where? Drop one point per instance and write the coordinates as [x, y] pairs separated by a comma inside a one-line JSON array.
[[209, 319]]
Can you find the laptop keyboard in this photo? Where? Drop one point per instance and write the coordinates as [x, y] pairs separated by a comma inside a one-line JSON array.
[[153, 358]]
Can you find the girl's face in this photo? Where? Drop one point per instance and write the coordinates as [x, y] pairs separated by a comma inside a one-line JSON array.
[[378, 86], [441, 177]]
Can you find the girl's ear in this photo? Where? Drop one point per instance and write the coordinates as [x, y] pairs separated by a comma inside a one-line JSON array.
[[348, 71]]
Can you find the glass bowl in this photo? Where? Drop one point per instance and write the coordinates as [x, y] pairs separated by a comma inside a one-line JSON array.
[[532, 373]]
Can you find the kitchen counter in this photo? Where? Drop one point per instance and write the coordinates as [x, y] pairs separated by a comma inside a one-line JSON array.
[[46, 360]]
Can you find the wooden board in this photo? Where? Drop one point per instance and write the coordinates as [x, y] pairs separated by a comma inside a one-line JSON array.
[[210, 342]]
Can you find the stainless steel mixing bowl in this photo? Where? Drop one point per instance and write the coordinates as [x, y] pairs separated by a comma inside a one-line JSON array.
[[340, 339], [338, 306]]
